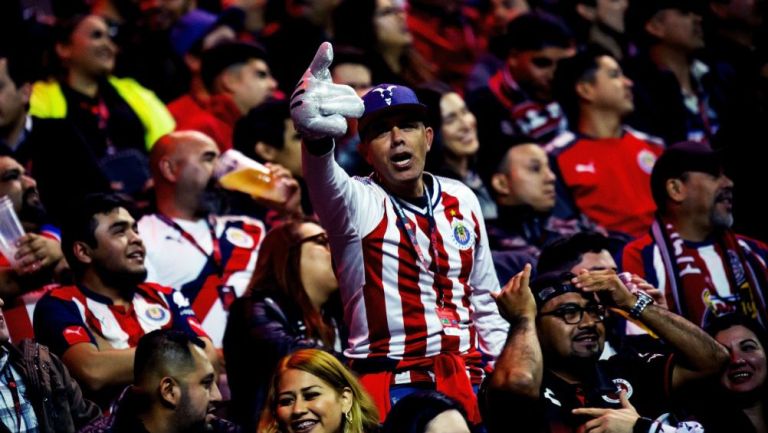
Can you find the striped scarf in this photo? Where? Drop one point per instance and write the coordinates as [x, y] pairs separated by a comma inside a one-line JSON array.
[[691, 292]]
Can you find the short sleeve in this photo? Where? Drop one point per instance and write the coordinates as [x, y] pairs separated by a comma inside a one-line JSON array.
[[59, 325]]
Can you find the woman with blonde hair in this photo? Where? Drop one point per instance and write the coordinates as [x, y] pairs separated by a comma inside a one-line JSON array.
[[312, 390]]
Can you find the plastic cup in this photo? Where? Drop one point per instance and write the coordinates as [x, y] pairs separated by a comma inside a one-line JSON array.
[[10, 230], [237, 172]]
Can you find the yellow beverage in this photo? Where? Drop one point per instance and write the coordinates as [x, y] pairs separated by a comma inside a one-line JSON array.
[[256, 183]]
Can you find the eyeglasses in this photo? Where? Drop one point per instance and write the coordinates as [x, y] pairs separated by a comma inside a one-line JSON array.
[[573, 314], [319, 239]]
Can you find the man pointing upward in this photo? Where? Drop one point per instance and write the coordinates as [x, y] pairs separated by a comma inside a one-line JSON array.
[[410, 248]]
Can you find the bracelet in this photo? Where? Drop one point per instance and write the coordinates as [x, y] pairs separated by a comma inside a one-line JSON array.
[[643, 301]]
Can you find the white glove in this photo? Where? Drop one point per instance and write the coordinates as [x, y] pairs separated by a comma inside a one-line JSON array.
[[319, 107]]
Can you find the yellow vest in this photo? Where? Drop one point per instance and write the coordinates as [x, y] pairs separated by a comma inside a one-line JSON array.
[[47, 101]]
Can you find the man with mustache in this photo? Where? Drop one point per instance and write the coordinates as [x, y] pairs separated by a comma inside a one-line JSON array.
[[703, 268], [94, 324], [549, 376], [174, 390]]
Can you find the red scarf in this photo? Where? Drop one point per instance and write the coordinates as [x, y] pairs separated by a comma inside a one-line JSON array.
[[450, 379]]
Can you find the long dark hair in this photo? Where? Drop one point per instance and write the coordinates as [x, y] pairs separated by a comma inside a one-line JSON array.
[[278, 273]]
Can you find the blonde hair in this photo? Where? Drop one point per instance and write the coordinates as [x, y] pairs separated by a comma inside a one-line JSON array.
[[365, 417]]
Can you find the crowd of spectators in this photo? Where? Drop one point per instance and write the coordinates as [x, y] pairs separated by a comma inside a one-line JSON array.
[[493, 215]]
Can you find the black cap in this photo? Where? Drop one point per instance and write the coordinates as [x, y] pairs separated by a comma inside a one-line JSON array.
[[680, 158], [550, 285], [219, 57]]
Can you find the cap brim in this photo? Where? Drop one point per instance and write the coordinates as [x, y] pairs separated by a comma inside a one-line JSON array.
[[418, 111]]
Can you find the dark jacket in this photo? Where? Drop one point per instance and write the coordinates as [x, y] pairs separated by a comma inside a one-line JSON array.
[[125, 418], [261, 329], [56, 397]]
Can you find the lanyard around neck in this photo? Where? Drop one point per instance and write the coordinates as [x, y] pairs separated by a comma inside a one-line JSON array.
[[410, 229], [215, 256]]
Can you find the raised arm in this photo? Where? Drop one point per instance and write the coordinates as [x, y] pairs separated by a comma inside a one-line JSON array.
[[698, 355], [519, 366]]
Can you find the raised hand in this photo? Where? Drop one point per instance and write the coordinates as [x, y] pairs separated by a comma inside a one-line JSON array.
[[515, 299], [318, 106]]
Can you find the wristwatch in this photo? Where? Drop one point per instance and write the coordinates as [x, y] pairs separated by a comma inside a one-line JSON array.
[[643, 301]]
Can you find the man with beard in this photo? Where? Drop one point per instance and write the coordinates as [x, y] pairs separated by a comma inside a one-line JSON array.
[[703, 268], [95, 323], [174, 389], [208, 258], [38, 256], [549, 378]]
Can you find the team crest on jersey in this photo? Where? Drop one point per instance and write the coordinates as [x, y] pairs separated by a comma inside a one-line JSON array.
[[621, 385], [646, 159], [463, 237], [239, 238], [157, 315]]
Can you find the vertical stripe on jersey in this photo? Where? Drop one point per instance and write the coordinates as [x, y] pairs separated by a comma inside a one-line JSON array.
[[375, 304], [106, 323], [441, 284], [466, 259], [408, 285]]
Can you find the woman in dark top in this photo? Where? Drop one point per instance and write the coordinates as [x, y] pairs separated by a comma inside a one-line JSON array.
[[290, 305]]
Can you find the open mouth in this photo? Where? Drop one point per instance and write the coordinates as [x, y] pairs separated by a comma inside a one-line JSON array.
[[401, 160], [303, 426], [137, 255], [740, 376]]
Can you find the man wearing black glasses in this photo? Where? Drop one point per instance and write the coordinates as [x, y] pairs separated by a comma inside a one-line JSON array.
[[550, 369]]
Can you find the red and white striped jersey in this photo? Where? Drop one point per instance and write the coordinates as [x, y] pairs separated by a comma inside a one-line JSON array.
[[70, 315], [174, 261], [390, 294]]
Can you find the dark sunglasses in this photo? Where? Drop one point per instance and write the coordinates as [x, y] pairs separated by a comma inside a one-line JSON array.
[[573, 314]]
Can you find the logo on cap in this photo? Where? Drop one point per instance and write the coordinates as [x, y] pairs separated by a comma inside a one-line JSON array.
[[386, 93]]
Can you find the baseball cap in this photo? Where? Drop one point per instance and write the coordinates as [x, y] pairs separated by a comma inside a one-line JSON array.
[[387, 99], [190, 28], [551, 285], [219, 57], [196, 24], [680, 158]]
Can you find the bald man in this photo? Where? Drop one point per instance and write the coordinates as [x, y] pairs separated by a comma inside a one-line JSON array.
[[207, 257]]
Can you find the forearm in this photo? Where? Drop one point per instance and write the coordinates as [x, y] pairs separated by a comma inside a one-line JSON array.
[[520, 364], [97, 369], [699, 352]]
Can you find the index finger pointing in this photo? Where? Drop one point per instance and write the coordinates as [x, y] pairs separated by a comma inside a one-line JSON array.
[[526, 277], [323, 59]]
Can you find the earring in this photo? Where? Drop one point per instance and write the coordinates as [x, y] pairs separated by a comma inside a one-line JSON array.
[[348, 416]]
